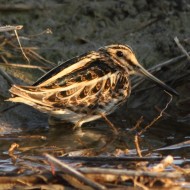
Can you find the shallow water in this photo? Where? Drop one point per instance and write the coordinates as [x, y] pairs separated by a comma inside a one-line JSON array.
[[92, 139]]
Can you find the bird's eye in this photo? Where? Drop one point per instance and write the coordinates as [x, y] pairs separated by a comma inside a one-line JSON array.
[[119, 53]]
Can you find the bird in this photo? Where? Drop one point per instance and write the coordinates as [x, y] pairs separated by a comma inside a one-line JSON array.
[[84, 88]]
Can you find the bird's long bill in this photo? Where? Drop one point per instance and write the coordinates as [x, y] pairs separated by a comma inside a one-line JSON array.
[[157, 81]]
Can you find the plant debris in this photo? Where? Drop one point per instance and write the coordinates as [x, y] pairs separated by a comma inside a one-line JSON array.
[[133, 148]]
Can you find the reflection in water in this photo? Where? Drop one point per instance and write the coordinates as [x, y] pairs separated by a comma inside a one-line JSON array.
[[92, 139]]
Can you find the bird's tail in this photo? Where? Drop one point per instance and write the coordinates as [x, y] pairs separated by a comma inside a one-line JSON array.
[[24, 95]]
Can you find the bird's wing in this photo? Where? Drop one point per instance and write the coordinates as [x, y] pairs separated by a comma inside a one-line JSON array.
[[66, 68], [77, 84]]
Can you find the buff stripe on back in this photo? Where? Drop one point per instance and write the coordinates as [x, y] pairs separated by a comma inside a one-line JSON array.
[[68, 70]]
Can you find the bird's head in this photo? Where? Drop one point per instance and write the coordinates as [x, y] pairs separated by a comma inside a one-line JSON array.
[[124, 57]]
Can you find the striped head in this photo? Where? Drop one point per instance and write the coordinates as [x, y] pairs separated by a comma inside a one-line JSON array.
[[124, 57]]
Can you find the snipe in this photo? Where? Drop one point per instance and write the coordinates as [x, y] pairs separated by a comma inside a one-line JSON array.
[[83, 88]]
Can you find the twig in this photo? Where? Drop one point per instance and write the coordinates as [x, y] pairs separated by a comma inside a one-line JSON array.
[[33, 137], [110, 124], [10, 28], [21, 47], [184, 171], [7, 77], [29, 7], [158, 117], [39, 57], [137, 125], [136, 141], [138, 184], [23, 66], [13, 137], [133, 173], [47, 31], [110, 159], [184, 144], [71, 171], [169, 62], [16, 7], [158, 67], [181, 48], [164, 113]]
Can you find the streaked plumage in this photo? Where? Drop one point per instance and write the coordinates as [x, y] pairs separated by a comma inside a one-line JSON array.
[[81, 89]]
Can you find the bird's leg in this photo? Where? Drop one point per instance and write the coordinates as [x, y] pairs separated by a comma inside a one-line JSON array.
[[114, 129], [86, 119], [78, 124], [53, 121]]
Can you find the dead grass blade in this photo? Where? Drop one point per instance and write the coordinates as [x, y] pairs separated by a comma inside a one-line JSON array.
[[158, 117], [131, 173], [176, 146], [10, 28], [23, 66], [110, 160], [138, 81], [7, 77], [136, 141], [71, 171], [114, 129], [181, 48]]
